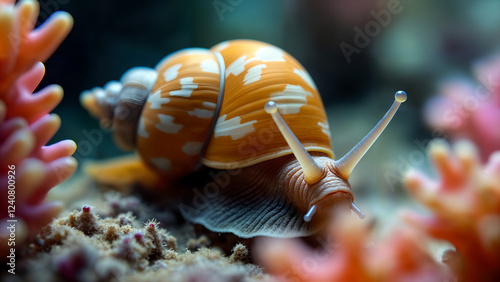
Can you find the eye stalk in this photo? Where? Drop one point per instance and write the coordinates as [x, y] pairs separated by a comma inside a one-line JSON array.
[[314, 172], [347, 163], [310, 213], [357, 211]]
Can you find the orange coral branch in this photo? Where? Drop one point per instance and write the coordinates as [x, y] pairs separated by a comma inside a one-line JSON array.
[[25, 123], [465, 203], [21, 46]]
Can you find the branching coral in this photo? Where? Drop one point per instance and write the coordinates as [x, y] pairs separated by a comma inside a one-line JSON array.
[[348, 254], [465, 205], [466, 110], [25, 123]]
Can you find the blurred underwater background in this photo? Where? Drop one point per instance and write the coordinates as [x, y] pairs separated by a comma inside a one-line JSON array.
[[414, 49], [444, 54]]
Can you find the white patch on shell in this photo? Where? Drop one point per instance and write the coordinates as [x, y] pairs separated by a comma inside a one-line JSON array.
[[209, 105], [237, 66], [324, 128], [187, 87], [253, 74], [209, 65], [201, 113], [270, 54], [192, 148], [221, 46], [162, 163], [156, 100], [265, 54], [291, 99], [141, 130], [167, 124], [233, 127], [306, 77], [193, 51], [172, 72]]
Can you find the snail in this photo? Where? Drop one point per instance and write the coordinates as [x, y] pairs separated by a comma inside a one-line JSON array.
[[247, 108]]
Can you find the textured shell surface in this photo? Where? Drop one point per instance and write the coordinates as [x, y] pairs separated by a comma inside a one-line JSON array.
[[177, 115], [179, 111], [245, 134]]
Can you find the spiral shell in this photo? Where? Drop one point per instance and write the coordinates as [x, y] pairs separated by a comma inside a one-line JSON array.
[[176, 118], [241, 104]]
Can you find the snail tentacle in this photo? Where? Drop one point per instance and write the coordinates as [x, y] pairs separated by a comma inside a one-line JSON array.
[[357, 210], [308, 216], [347, 163], [312, 171]]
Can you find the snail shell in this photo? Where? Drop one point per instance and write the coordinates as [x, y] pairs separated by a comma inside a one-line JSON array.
[[270, 139], [181, 108]]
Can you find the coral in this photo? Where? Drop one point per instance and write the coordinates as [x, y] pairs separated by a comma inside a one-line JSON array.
[[86, 247], [85, 221], [465, 205], [195, 244], [203, 265], [25, 123], [240, 254], [120, 205], [348, 254], [465, 110]]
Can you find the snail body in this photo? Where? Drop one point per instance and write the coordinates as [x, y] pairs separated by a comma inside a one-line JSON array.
[[242, 106]]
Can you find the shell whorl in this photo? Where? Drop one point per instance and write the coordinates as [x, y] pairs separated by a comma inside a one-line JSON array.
[[118, 104], [177, 111], [176, 118]]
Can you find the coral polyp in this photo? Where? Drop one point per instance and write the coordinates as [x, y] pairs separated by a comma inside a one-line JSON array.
[[465, 205], [26, 124], [92, 245], [467, 109], [350, 252]]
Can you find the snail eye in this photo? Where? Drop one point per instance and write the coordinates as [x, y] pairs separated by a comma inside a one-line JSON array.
[[357, 211], [308, 216]]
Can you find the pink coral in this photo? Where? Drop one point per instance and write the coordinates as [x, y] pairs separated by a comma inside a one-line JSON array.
[[349, 255], [466, 110], [25, 123], [465, 205]]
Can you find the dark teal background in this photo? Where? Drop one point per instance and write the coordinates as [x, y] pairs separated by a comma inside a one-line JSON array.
[[420, 45]]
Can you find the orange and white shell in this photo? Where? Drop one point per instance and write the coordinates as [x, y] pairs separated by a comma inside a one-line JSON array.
[[176, 117]]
